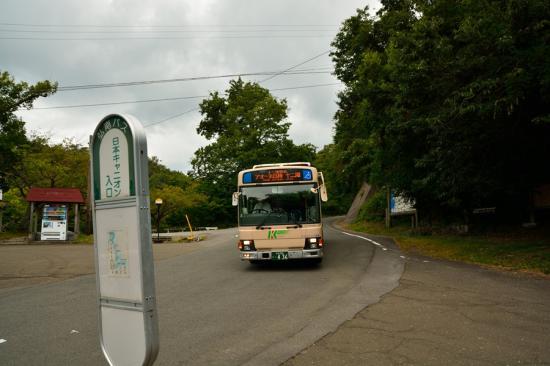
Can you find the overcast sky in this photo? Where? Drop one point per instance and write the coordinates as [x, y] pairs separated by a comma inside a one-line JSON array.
[[112, 41]]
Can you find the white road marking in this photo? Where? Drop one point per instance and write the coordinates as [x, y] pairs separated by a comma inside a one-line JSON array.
[[74, 331], [383, 247], [2, 340], [367, 239]]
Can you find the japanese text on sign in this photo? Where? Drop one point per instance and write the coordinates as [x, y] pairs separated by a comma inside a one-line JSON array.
[[114, 164]]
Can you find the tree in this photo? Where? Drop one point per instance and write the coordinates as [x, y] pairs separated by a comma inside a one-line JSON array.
[[340, 181], [448, 101], [161, 176], [180, 195], [14, 96], [64, 165], [44, 164], [248, 126], [176, 203]]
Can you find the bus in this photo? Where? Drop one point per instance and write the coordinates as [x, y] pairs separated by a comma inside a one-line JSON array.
[[279, 212]]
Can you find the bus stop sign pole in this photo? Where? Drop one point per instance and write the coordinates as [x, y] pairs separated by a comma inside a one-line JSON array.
[[128, 323]]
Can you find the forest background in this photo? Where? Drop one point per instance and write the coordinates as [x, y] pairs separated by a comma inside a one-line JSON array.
[[447, 103]]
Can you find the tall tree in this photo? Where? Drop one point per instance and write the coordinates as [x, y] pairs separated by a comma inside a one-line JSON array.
[[247, 126], [448, 100], [14, 96]]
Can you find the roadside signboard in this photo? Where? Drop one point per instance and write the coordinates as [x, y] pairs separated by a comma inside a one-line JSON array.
[[398, 205], [122, 235]]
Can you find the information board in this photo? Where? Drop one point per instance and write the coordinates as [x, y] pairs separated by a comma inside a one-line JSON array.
[[399, 205], [123, 247]]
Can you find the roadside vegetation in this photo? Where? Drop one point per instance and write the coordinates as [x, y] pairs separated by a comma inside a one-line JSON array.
[[12, 235], [522, 249], [84, 239], [445, 102]]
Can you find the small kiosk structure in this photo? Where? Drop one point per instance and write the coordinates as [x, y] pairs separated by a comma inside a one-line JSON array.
[[54, 203]]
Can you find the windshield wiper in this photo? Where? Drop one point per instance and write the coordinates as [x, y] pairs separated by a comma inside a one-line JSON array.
[[264, 220]]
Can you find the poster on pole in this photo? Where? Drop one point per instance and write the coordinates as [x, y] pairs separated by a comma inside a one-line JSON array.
[[128, 320]]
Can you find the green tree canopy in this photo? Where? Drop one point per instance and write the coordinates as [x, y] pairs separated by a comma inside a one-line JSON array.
[[247, 126], [14, 96], [180, 195], [49, 165], [446, 101]]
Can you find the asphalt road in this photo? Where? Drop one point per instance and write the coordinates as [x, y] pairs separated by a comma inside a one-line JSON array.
[[213, 308]]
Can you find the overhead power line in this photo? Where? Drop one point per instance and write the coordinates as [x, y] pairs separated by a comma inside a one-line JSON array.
[[118, 26], [124, 102], [275, 75], [197, 108], [190, 97], [295, 66], [169, 99], [273, 36], [162, 81], [171, 117], [169, 31]]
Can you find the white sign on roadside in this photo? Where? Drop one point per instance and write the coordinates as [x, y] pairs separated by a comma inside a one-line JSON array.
[[399, 205], [123, 248]]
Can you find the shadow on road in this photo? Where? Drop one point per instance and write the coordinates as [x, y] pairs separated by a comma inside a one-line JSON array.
[[293, 265]]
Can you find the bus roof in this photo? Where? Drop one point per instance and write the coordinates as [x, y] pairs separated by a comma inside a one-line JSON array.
[[301, 163]]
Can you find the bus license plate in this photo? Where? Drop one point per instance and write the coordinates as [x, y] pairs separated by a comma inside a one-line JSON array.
[[278, 256]]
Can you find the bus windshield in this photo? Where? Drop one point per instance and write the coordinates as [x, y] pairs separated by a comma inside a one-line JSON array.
[[293, 204]]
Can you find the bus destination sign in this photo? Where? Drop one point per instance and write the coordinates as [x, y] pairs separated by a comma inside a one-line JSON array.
[[277, 175]]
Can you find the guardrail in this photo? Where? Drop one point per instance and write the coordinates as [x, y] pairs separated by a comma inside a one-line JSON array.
[[184, 229]]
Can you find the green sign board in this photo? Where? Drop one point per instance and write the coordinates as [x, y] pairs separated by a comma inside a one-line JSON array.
[[114, 171]]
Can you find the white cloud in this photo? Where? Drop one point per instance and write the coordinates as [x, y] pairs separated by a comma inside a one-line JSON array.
[[193, 54]]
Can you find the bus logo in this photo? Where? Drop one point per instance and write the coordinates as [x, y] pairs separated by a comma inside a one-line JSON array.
[[272, 234]]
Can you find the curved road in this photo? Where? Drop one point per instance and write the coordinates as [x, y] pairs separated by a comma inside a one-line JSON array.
[[213, 309]]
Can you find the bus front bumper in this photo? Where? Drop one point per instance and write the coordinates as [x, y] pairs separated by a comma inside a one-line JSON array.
[[268, 255]]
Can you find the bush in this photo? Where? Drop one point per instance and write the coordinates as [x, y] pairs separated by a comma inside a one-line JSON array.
[[374, 209], [15, 211]]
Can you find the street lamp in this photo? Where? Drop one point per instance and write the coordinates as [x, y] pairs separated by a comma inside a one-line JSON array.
[[158, 202]]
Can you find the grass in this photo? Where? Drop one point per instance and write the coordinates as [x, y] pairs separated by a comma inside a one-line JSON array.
[[11, 235], [89, 239], [526, 250], [84, 239]]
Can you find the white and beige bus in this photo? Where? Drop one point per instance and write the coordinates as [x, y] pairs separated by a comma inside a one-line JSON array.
[[279, 209]]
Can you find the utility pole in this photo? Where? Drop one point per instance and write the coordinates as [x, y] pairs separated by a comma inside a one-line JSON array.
[[158, 202], [1, 209]]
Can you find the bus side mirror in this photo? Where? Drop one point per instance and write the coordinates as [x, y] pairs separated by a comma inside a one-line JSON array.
[[323, 188], [235, 199], [323, 192], [324, 195]]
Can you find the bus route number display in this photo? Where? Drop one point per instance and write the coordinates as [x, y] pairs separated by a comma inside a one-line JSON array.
[[277, 175]]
